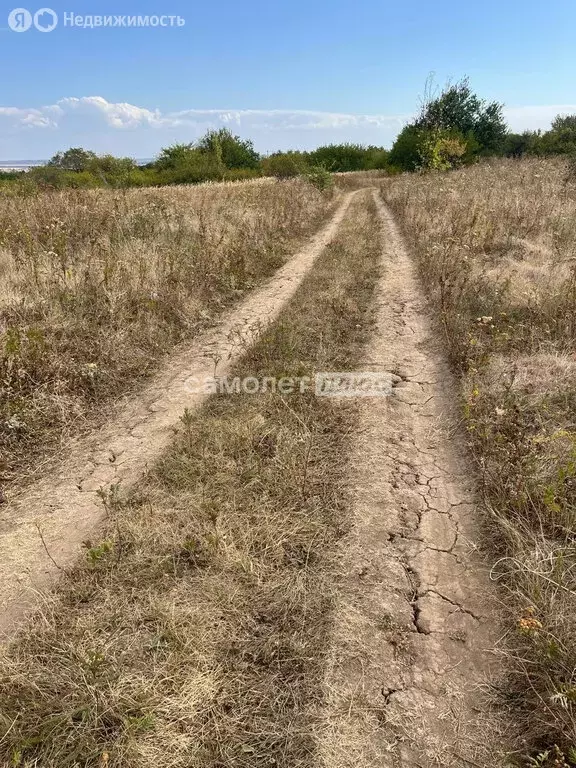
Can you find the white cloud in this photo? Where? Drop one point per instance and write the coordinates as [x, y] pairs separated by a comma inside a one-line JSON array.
[[116, 115], [123, 115], [95, 122], [534, 118], [123, 128]]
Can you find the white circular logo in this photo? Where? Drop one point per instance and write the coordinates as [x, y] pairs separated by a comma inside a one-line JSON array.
[[20, 20], [45, 20]]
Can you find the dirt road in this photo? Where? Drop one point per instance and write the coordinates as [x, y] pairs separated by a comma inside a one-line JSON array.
[[412, 650], [43, 529], [415, 628]]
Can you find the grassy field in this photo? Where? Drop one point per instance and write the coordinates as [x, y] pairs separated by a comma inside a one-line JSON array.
[[496, 247], [96, 286], [195, 632]]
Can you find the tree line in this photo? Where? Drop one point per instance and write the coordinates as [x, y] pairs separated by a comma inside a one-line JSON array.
[[218, 156], [453, 128]]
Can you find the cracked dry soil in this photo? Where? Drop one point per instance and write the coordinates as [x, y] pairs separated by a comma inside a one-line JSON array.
[[42, 530], [414, 633]]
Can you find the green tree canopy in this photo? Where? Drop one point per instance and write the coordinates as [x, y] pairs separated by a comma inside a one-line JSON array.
[[561, 138], [73, 159], [284, 165], [459, 109], [457, 114], [173, 156], [234, 151]]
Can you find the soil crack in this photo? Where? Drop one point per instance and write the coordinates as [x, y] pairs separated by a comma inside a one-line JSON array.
[[67, 505], [416, 524]]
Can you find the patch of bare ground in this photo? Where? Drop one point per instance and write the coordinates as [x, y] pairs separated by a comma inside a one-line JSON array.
[[194, 632], [416, 624], [495, 245]]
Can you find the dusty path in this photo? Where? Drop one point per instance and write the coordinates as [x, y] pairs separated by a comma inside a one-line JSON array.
[[66, 508], [414, 630]]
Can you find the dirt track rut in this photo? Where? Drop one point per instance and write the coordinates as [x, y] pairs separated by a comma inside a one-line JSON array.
[[66, 508], [414, 632]]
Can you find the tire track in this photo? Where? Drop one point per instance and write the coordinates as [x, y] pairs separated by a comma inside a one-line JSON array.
[[412, 648], [42, 529]]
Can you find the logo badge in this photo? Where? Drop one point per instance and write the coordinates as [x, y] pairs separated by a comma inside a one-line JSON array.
[[20, 20], [45, 20]]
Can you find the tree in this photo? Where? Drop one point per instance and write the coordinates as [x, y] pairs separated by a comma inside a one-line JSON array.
[[73, 159], [348, 157], [113, 171], [564, 123], [441, 150], [561, 138], [458, 108], [520, 144], [405, 154], [234, 151], [339, 157], [456, 115], [173, 156], [376, 158]]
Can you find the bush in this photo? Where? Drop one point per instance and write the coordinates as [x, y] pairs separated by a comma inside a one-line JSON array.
[[561, 138], [284, 165], [457, 114], [73, 159], [520, 144], [47, 176], [342, 158], [376, 159], [319, 177], [339, 157], [405, 154], [192, 168], [442, 150], [242, 174]]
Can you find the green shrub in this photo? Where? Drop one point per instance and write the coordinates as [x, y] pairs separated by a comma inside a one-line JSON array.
[[405, 154], [376, 159], [341, 158], [442, 150], [284, 165], [319, 177], [456, 115], [73, 159], [233, 151]]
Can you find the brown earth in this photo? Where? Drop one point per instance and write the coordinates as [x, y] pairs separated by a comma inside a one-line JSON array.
[[412, 655]]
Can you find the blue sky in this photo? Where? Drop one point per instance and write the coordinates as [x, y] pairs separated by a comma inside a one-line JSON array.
[[286, 74]]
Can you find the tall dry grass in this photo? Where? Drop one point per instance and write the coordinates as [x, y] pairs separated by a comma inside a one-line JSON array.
[[194, 634], [96, 286], [496, 246]]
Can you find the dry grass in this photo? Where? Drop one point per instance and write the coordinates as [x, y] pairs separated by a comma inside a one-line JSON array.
[[358, 179], [96, 286], [194, 635], [496, 246]]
